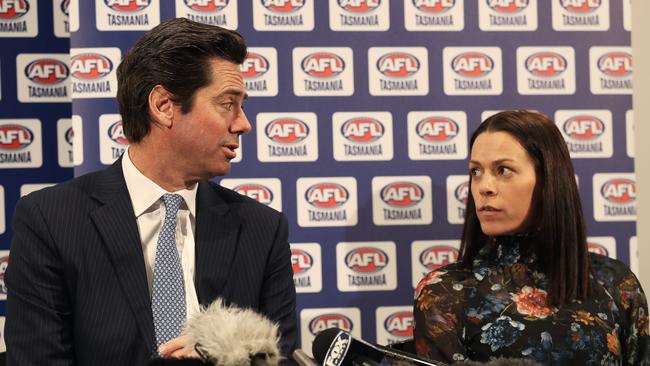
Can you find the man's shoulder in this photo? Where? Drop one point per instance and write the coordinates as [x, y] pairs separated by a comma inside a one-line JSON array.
[[240, 202], [70, 192]]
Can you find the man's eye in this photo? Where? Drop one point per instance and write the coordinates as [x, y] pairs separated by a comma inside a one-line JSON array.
[[228, 106]]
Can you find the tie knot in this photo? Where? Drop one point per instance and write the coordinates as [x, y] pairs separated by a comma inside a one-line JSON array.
[[172, 203]]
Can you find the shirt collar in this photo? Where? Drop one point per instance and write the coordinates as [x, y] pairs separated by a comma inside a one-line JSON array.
[[145, 193]]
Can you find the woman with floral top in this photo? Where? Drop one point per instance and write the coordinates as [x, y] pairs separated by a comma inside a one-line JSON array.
[[526, 285]]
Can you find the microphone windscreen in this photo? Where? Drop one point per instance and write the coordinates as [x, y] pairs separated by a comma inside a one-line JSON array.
[[322, 343]]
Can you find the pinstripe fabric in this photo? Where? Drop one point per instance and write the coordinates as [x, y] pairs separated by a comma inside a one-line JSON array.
[[77, 285]]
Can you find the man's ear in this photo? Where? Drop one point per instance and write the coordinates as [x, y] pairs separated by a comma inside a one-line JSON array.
[[161, 106]]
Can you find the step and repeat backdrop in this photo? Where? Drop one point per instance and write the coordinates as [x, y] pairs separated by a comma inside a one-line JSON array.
[[361, 110]]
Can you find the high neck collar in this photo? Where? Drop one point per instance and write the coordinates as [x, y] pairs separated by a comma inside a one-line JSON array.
[[509, 249]]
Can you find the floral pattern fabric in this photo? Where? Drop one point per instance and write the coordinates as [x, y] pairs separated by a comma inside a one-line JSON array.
[[498, 308]]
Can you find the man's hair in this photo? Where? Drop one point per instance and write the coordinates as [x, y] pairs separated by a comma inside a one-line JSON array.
[[176, 55], [556, 210]]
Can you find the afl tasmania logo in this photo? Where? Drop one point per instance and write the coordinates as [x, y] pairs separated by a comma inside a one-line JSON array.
[[362, 130], [597, 248], [584, 127], [400, 324], [507, 6], [580, 6], [287, 130], [206, 6], [15, 137], [327, 195], [402, 194], [89, 66], [472, 64], [617, 64], [47, 71], [257, 192], [437, 256], [619, 190], [301, 261], [434, 6], [254, 66], [127, 6], [116, 133], [398, 64], [323, 65], [437, 129], [65, 5], [69, 136], [331, 320], [366, 260], [359, 6], [283, 6], [546, 64], [461, 192], [13, 9]]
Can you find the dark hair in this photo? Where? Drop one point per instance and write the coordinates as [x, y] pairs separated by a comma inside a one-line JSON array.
[[557, 210], [176, 55]]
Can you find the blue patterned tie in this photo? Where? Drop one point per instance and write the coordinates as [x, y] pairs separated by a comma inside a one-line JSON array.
[[168, 292]]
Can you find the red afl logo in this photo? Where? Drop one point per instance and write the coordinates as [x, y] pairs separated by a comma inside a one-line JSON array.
[[301, 261], [359, 6], [434, 6], [619, 190], [89, 66], [437, 129], [13, 9], [584, 127], [254, 66], [116, 133], [472, 64], [287, 130], [400, 324], [127, 6], [362, 129], [15, 137], [546, 64], [462, 192], [69, 136], [255, 191], [206, 6], [616, 64], [330, 320], [402, 194], [323, 65], [597, 248], [64, 6], [327, 195], [580, 6], [507, 6], [366, 260], [398, 64], [437, 256], [283, 6], [47, 71]]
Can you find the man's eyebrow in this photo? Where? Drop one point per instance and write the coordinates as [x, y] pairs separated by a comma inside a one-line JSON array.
[[232, 92]]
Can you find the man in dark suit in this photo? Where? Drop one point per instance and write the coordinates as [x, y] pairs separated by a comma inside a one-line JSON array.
[[90, 268]]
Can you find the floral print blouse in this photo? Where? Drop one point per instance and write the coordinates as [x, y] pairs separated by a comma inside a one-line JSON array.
[[498, 309]]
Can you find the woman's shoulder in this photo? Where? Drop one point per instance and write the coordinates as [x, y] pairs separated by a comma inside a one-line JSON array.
[[614, 275]]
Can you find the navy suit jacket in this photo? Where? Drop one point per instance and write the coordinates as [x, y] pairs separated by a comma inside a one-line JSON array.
[[77, 287]]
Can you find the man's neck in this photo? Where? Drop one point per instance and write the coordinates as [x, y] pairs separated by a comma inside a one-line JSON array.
[[155, 166]]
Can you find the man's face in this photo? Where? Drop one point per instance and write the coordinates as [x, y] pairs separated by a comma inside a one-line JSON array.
[[205, 138]]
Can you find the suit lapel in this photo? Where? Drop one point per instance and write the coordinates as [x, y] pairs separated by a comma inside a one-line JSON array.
[[117, 226], [217, 233]]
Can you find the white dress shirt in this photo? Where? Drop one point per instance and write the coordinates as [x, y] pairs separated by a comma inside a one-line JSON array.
[[146, 198]]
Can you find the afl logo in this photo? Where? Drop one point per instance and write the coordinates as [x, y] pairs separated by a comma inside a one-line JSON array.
[[330, 320], [584, 127], [366, 260], [598, 249], [127, 6], [301, 261], [472, 64], [507, 6], [616, 64], [47, 71], [402, 194], [89, 66], [65, 5], [15, 137], [437, 129], [362, 129], [69, 136], [327, 195], [619, 190], [546, 64], [206, 6], [400, 324], [461, 192], [359, 6], [437, 256], [257, 192], [283, 6], [434, 6], [580, 6], [116, 133], [323, 65], [287, 130], [254, 66], [398, 64], [13, 9]]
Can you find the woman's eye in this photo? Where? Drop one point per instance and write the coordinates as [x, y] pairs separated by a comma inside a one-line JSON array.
[[504, 170], [474, 172]]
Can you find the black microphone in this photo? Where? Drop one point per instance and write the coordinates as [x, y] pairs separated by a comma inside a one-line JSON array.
[[336, 347]]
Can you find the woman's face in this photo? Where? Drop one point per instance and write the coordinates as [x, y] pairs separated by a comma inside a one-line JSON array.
[[502, 183]]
